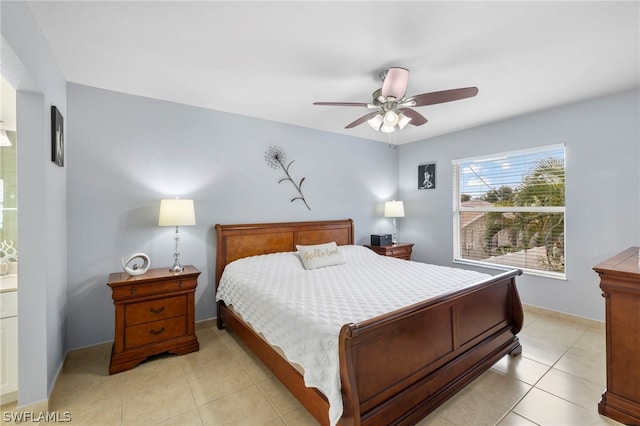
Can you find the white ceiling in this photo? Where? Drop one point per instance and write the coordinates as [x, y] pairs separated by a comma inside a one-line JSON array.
[[272, 60]]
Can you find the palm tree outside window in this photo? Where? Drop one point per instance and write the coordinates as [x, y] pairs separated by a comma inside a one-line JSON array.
[[509, 210]]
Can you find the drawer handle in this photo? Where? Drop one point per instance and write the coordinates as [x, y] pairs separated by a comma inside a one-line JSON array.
[[133, 290], [156, 311], [181, 284], [157, 332]]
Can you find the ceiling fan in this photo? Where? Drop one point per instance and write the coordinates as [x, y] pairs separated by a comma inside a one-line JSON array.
[[393, 110]]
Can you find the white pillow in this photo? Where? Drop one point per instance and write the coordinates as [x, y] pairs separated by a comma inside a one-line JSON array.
[[320, 255]]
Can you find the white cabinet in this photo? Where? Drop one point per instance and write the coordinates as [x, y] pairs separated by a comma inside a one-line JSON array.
[[8, 345]]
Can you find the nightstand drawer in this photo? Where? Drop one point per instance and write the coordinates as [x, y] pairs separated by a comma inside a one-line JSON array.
[[155, 331], [153, 310], [147, 289], [400, 251]]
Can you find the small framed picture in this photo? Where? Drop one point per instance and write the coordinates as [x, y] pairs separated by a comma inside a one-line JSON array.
[[427, 176], [57, 137]]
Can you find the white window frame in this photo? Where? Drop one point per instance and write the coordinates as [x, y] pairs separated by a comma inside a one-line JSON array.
[[1, 203], [457, 209]]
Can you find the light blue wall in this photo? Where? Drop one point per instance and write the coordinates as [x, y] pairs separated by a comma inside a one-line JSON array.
[[125, 153], [602, 200], [29, 67]]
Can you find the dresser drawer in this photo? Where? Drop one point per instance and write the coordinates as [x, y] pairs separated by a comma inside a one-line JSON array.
[[156, 331], [148, 289], [153, 310]]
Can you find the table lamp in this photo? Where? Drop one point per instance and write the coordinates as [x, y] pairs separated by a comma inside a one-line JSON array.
[[394, 209], [176, 212]]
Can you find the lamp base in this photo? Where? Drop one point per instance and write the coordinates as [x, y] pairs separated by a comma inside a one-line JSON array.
[[394, 236], [176, 269]]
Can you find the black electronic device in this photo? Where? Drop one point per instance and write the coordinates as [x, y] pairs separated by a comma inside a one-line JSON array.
[[380, 239]]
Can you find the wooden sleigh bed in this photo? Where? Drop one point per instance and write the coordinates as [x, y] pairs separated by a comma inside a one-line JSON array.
[[395, 368]]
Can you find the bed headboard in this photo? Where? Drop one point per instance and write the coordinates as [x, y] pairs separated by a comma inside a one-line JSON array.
[[238, 241]]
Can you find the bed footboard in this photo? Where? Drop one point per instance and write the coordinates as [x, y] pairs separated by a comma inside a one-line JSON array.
[[399, 367]]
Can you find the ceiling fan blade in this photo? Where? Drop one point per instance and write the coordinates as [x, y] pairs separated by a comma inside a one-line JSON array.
[[358, 104], [395, 83], [361, 120], [444, 96], [417, 119]]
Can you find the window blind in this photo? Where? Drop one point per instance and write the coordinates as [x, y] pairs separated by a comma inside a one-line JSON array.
[[509, 210]]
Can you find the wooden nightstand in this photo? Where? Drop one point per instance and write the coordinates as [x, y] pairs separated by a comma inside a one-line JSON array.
[[155, 313], [400, 250]]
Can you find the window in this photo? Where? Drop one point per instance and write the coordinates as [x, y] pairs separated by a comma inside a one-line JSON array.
[[509, 210]]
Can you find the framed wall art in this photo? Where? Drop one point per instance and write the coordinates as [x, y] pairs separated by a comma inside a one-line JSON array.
[[427, 176], [57, 137]]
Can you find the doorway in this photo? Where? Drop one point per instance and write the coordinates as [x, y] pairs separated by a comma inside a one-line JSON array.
[[8, 245]]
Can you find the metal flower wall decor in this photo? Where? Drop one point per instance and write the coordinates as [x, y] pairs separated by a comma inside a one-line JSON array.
[[276, 157]]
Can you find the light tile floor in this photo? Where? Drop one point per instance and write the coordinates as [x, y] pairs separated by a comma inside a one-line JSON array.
[[558, 380]]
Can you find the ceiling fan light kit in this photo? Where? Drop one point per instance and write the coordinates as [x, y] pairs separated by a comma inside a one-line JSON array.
[[393, 109], [388, 122]]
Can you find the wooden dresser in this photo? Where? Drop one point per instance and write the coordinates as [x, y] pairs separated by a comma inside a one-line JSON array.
[[400, 250], [620, 284], [154, 314]]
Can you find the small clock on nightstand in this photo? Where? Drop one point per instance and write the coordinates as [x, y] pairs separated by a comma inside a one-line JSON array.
[[400, 250]]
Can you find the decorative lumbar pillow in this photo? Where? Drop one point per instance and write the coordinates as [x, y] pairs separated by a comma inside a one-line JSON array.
[[320, 255]]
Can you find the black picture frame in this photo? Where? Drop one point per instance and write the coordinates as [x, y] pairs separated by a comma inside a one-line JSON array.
[[427, 176], [57, 137]]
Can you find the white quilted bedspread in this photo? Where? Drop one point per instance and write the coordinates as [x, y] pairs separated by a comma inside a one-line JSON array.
[[301, 311]]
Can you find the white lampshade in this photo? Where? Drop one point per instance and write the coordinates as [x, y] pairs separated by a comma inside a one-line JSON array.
[[376, 122], [176, 212], [387, 129], [390, 118], [403, 121], [393, 209]]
